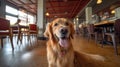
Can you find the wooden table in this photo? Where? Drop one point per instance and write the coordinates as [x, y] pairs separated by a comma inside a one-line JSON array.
[[106, 26], [104, 23]]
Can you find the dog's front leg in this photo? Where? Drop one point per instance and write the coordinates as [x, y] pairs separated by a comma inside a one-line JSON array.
[[51, 62], [71, 64], [50, 65], [51, 59]]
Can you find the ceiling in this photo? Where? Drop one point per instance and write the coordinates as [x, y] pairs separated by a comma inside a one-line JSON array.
[[56, 8], [104, 6], [65, 8]]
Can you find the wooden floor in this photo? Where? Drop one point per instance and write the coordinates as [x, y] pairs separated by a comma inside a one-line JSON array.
[[34, 54]]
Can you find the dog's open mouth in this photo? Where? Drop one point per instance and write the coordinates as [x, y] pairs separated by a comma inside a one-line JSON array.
[[63, 41]]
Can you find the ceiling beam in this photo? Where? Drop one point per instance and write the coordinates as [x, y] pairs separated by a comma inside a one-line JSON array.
[[83, 5], [11, 1], [16, 4], [62, 1], [24, 3], [28, 4], [59, 14], [61, 6], [52, 6], [74, 9], [31, 1], [77, 7]]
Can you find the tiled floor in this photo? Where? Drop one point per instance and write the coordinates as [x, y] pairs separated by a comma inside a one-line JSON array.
[[34, 55]]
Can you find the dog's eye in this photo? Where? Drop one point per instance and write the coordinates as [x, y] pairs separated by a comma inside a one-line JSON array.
[[66, 24], [55, 24]]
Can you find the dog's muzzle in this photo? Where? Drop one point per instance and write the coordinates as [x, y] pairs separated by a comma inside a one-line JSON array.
[[64, 36], [63, 32]]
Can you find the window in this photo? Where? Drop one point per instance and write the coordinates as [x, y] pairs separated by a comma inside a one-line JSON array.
[[23, 17], [12, 19], [31, 19], [11, 14], [26, 18], [11, 10]]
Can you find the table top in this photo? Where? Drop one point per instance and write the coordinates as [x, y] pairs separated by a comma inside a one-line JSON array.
[[104, 23]]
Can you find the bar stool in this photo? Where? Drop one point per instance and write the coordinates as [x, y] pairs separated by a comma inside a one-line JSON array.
[[115, 34], [93, 31]]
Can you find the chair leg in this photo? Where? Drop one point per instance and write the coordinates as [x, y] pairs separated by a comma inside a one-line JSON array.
[[18, 38], [96, 39], [89, 37], [11, 40], [2, 42], [103, 39], [29, 38], [21, 37], [36, 38], [114, 44]]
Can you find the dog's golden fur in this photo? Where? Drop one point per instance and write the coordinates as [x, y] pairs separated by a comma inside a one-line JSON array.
[[70, 58]]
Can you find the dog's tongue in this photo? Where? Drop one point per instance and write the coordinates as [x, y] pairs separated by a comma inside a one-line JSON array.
[[63, 42]]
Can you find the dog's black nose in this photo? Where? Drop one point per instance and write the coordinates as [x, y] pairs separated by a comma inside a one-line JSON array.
[[64, 31]]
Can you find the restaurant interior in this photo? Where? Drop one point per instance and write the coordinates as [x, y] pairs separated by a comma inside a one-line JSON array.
[[23, 22]]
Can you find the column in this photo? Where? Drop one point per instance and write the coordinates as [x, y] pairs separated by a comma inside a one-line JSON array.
[[41, 16], [117, 13], [88, 14]]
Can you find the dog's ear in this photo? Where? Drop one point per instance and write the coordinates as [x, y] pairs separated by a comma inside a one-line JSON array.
[[72, 30], [48, 31]]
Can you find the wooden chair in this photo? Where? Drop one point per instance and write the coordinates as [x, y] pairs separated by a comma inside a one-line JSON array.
[[115, 34], [20, 31], [93, 32], [17, 32], [5, 31]]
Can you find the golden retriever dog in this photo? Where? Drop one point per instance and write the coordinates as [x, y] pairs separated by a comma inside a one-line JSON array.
[[60, 52]]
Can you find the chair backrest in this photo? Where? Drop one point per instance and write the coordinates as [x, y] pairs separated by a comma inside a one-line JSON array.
[[117, 26], [33, 27], [90, 28], [4, 24]]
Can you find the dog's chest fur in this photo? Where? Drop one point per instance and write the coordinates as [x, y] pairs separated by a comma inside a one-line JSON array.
[[60, 58]]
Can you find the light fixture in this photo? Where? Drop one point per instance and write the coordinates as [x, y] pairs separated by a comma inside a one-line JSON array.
[[55, 16], [66, 12], [47, 14], [77, 19], [99, 1], [113, 11]]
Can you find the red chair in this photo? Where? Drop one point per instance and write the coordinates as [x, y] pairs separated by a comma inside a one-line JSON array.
[[33, 30], [115, 34], [5, 30]]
